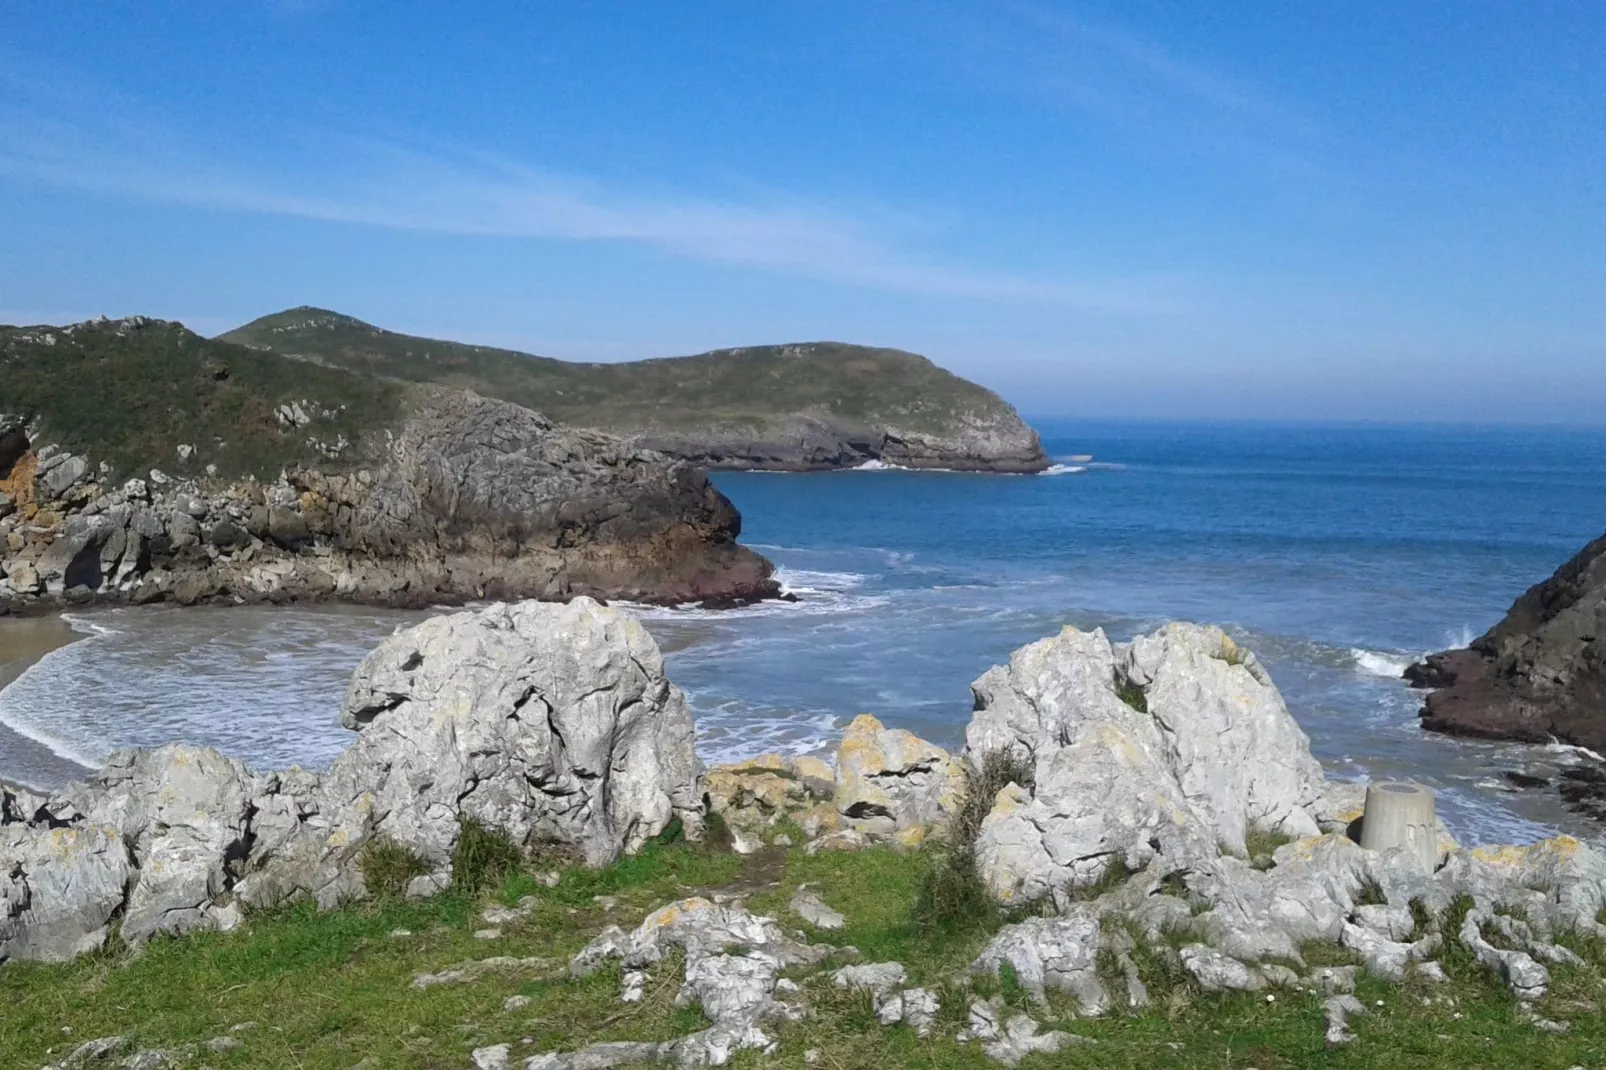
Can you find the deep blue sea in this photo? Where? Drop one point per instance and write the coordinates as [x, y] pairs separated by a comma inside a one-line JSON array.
[[1338, 554]]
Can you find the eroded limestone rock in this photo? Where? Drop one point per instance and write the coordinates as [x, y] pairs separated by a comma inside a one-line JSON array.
[[1175, 745], [893, 774], [552, 724]]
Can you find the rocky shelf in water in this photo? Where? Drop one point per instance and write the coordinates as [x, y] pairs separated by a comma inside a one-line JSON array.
[[140, 462], [1154, 797]]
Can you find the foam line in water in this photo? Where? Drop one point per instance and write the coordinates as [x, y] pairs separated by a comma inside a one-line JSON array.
[[23, 692]]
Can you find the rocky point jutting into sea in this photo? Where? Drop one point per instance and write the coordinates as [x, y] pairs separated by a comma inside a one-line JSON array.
[[1538, 675], [140, 463], [802, 407], [1151, 798]]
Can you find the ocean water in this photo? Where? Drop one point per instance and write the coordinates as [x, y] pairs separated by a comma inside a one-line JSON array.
[[1338, 554]]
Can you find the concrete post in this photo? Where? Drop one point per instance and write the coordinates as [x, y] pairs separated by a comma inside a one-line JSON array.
[[1399, 814]]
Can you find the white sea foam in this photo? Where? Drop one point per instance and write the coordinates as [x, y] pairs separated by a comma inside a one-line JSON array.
[[812, 581], [1569, 753], [1380, 663]]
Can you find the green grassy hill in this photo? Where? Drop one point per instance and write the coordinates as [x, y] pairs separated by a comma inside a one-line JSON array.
[[759, 392], [131, 392]]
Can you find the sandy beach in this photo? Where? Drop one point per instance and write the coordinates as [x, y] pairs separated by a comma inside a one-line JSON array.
[[23, 641]]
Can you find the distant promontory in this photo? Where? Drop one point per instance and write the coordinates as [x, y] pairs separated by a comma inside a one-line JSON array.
[[799, 407], [140, 462]]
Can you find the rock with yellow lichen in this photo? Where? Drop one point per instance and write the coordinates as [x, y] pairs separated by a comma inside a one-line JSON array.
[[753, 796], [888, 786], [1176, 745], [894, 775], [60, 889]]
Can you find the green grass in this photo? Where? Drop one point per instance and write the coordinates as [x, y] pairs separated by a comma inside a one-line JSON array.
[[483, 857], [1132, 694], [132, 398], [387, 866], [748, 390], [328, 990], [1260, 842], [951, 897]]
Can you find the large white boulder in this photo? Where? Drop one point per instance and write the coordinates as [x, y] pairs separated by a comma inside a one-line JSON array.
[[60, 889], [553, 723], [184, 812], [1176, 746]]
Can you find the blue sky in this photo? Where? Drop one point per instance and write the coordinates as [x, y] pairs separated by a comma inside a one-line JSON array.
[[1298, 211]]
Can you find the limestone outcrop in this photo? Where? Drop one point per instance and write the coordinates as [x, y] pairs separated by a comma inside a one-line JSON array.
[[1153, 765], [435, 496], [553, 724], [1176, 744], [887, 785]]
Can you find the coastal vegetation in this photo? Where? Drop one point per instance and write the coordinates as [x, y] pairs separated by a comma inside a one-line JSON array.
[[711, 404], [327, 991], [132, 393]]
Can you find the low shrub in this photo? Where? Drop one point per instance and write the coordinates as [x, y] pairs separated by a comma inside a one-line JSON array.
[[952, 898]]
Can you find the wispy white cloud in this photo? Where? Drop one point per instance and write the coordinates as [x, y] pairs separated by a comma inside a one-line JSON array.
[[350, 180], [1133, 83]]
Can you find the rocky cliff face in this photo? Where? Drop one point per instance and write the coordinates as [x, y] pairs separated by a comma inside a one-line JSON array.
[[1537, 675], [994, 441], [457, 497]]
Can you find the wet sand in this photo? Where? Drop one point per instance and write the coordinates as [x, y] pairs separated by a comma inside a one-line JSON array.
[[23, 641]]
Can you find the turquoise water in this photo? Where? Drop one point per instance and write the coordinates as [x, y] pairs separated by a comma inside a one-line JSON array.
[[1338, 554]]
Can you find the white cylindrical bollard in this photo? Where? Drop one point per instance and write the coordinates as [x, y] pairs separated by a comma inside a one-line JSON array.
[[1399, 814]]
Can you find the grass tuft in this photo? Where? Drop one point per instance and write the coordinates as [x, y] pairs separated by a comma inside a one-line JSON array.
[[1371, 894], [952, 898], [387, 866], [484, 857], [1131, 692], [1261, 841]]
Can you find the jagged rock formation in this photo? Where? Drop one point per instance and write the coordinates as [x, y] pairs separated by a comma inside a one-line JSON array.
[[435, 495], [1165, 757], [553, 724], [1176, 744], [817, 405], [1539, 674]]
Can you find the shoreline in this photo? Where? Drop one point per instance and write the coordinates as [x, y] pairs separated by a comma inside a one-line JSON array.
[[24, 642]]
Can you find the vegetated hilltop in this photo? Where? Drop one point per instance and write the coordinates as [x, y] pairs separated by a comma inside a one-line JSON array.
[[816, 405], [140, 462]]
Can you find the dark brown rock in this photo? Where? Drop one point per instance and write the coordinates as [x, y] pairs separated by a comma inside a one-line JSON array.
[[1539, 674], [465, 498]]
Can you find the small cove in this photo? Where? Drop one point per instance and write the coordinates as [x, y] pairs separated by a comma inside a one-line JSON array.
[[1338, 554]]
